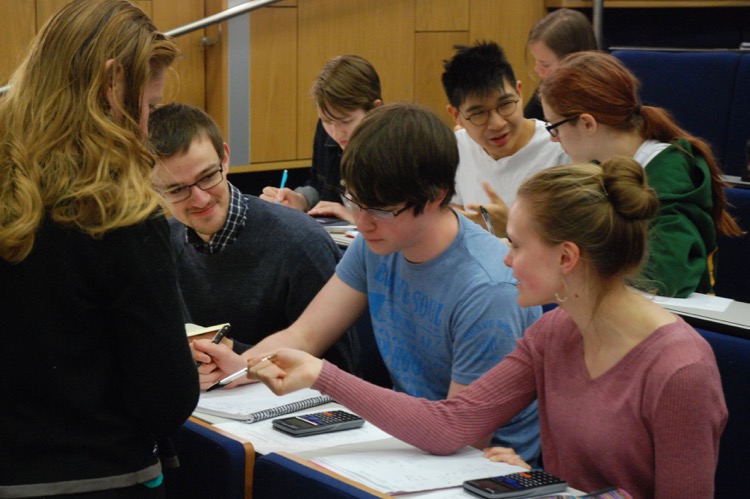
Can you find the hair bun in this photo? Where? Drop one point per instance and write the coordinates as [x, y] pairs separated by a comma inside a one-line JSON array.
[[624, 181]]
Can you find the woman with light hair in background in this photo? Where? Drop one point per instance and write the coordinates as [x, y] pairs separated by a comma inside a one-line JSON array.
[[559, 33]]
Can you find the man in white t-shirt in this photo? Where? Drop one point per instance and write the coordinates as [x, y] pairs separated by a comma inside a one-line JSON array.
[[498, 147]]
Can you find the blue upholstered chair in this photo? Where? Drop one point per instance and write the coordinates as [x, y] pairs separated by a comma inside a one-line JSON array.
[[212, 464], [733, 257], [738, 132], [733, 357], [698, 88]]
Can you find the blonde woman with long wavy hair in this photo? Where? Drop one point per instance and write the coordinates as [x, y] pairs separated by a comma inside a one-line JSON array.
[[89, 286]]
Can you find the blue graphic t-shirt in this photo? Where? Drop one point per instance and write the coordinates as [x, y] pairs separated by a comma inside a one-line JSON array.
[[450, 319]]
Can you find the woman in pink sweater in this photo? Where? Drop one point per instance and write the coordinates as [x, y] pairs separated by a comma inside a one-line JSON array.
[[629, 394]]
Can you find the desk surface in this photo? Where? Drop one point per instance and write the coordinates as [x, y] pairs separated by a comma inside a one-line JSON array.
[[735, 320], [333, 445], [452, 493]]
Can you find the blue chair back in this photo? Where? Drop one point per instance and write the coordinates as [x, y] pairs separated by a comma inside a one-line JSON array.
[[211, 465], [733, 257], [733, 358], [701, 101], [738, 133]]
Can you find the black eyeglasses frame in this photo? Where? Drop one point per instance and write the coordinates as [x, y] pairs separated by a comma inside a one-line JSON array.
[[552, 129], [375, 213]]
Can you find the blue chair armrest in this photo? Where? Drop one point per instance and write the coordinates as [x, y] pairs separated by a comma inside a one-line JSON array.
[[212, 464]]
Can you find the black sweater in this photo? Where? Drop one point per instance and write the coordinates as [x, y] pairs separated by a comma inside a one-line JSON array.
[[96, 366]]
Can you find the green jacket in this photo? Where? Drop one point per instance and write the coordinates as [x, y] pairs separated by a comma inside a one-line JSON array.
[[683, 236]]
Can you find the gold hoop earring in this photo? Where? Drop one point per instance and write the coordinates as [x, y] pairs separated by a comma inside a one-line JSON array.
[[557, 295]]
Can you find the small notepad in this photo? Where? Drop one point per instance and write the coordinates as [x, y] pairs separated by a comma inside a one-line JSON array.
[[256, 402], [195, 330]]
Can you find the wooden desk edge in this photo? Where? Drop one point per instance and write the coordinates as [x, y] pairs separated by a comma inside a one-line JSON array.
[[333, 474], [249, 452]]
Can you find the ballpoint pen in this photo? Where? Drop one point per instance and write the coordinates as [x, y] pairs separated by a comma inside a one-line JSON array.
[[283, 183], [242, 372], [487, 220], [217, 339], [224, 382]]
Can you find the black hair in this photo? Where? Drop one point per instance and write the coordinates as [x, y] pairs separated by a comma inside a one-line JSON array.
[[477, 70]]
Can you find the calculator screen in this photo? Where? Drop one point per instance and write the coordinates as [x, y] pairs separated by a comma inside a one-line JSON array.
[[297, 423], [491, 486]]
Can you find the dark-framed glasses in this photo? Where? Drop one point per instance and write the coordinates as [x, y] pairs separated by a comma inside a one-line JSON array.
[[181, 193], [378, 215], [552, 129], [504, 109]]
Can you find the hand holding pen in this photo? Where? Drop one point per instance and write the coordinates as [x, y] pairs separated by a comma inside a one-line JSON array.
[[242, 373], [284, 177], [493, 214], [217, 339], [487, 219]]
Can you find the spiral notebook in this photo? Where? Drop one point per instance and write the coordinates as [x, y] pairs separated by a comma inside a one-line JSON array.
[[256, 402]]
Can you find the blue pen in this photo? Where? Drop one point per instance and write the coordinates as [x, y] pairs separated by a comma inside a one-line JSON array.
[[283, 183]]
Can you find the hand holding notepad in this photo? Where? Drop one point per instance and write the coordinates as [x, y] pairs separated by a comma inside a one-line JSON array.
[[193, 330]]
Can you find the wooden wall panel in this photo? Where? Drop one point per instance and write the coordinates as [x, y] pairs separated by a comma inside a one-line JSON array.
[[382, 31], [442, 15], [19, 28], [273, 85], [189, 86], [431, 49], [508, 23], [406, 40]]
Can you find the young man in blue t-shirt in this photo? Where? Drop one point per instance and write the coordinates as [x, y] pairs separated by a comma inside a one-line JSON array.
[[442, 302]]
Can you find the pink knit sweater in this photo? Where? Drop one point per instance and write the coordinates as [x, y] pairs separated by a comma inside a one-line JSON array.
[[651, 424]]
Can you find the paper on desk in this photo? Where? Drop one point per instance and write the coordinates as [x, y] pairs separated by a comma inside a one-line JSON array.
[[344, 239], [340, 229], [695, 300], [265, 439], [452, 493], [412, 470]]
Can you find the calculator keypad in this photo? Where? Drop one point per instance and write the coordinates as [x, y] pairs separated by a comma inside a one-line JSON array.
[[527, 480], [329, 417]]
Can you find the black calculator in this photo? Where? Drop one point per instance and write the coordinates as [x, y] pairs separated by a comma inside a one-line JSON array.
[[523, 484], [319, 422]]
